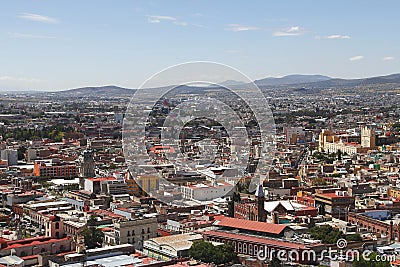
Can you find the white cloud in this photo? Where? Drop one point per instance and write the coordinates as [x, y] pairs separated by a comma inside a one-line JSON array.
[[19, 79], [158, 19], [37, 17], [337, 36], [27, 35], [387, 58], [355, 58], [291, 31], [241, 28]]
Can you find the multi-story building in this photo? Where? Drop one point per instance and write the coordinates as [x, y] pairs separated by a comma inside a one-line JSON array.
[[116, 187], [142, 184], [393, 192], [54, 168], [10, 155], [335, 204], [205, 192], [134, 231], [93, 185]]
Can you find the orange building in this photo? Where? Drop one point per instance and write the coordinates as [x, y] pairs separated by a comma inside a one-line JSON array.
[[54, 168]]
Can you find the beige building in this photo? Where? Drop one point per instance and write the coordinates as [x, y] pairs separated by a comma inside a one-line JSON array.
[[331, 143], [343, 147], [134, 232]]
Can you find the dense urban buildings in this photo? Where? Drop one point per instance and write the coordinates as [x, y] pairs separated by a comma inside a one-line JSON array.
[[69, 195]]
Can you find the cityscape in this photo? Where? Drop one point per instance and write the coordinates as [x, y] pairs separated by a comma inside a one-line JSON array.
[[200, 165]]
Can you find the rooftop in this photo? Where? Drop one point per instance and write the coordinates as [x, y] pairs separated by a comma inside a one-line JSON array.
[[264, 227]]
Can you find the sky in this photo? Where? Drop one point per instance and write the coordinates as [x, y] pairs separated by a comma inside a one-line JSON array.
[[57, 45]]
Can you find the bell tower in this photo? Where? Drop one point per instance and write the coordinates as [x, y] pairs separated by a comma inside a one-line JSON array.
[[260, 199]]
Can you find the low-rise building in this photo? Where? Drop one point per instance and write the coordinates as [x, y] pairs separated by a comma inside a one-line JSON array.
[[170, 247]]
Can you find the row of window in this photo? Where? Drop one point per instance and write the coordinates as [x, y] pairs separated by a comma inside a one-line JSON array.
[[133, 231], [133, 239], [242, 247]]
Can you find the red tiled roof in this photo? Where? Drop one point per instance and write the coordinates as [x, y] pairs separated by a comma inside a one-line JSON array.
[[162, 149], [32, 242], [250, 225]]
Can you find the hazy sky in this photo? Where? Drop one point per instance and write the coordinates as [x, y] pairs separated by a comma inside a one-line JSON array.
[[54, 45]]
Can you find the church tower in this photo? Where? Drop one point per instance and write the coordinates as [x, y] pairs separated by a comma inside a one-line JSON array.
[[87, 167], [368, 137], [260, 198]]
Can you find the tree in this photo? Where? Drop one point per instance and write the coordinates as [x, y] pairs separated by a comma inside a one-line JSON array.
[[93, 237], [326, 233], [354, 237], [275, 262], [208, 253]]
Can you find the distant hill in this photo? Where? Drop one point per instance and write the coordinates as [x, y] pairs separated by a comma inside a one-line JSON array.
[[298, 82], [291, 79], [229, 83], [103, 91], [388, 79]]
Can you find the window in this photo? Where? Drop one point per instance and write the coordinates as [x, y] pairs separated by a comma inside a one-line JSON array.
[[57, 225], [239, 247], [251, 249], [129, 233], [148, 230], [245, 248], [255, 249]]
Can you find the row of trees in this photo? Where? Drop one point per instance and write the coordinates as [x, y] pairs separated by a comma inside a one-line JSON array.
[[54, 133]]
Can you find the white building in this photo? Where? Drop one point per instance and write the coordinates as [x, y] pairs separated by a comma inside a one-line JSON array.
[[206, 192]]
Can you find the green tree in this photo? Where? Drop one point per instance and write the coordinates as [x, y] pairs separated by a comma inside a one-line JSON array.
[[93, 237], [354, 237], [208, 253], [326, 233]]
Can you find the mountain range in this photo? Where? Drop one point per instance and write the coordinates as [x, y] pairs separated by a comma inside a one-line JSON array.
[[298, 80]]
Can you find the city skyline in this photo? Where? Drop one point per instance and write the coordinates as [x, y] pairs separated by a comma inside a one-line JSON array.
[[47, 46]]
